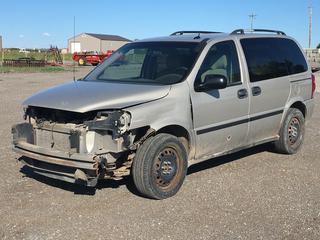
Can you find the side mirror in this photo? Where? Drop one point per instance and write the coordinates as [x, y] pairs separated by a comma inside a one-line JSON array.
[[211, 82], [315, 69]]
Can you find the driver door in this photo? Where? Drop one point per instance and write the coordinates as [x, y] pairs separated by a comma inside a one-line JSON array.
[[221, 115]]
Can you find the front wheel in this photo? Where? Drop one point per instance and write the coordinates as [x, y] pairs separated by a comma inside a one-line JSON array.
[[160, 166], [291, 132]]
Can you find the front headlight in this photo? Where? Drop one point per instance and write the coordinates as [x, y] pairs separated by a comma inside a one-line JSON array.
[[116, 121], [124, 122]]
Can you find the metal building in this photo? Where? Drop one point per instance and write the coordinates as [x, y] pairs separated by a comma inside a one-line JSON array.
[[313, 56], [87, 42]]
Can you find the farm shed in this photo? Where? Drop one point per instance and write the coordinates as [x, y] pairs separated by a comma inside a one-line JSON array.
[[88, 42]]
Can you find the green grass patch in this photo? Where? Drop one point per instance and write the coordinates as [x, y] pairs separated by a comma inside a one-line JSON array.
[[34, 69], [15, 54]]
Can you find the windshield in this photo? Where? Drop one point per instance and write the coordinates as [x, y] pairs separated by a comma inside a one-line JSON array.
[[160, 63]]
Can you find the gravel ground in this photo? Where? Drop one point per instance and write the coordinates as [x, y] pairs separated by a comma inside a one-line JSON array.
[[253, 194]]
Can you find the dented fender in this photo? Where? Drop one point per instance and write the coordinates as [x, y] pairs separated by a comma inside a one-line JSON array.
[[173, 110]]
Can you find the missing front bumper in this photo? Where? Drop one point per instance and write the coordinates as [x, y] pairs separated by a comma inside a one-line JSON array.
[[60, 151], [78, 168]]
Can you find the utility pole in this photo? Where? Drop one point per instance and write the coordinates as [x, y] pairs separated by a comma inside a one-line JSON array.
[[74, 47], [252, 18], [2, 54], [310, 27]]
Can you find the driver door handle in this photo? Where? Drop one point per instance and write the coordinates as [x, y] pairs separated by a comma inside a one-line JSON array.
[[256, 91], [242, 93]]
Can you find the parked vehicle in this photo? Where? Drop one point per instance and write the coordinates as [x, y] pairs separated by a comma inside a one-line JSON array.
[[93, 58], [315, 69], [158, 106]]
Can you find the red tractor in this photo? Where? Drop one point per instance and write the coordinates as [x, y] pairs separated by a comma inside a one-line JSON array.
[[93, 58]]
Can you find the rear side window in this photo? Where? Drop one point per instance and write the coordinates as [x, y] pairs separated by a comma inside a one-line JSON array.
[[269, 58]]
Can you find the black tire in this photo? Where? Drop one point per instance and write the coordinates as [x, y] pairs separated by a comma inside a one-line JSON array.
[[82, 62], [160, 166], [291, 132]]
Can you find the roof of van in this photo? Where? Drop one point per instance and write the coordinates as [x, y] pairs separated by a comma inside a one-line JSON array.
[[193, 36]]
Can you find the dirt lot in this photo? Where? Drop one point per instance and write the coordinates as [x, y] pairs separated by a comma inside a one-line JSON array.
[[254, 194]]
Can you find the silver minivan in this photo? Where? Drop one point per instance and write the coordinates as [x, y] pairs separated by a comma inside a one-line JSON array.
[[160, 105]]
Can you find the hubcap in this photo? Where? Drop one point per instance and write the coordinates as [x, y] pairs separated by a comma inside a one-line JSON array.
[[166, 167], [294, 130]]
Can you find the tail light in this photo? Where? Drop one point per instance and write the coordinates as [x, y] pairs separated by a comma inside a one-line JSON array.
[[313, 88]]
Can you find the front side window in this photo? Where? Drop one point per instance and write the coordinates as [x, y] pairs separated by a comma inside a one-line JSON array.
[[222, 59], [269, 58], [148, 63]]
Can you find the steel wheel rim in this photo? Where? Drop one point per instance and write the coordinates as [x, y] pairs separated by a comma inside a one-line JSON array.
[[167, 168], [294, 131]]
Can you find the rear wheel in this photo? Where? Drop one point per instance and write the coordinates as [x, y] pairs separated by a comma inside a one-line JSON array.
[[291, 132], [160, 166]]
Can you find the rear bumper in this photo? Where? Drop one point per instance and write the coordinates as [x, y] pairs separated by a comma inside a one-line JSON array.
[[73, 168]]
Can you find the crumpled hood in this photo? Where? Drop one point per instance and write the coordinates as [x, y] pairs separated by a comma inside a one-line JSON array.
[[84, 96]]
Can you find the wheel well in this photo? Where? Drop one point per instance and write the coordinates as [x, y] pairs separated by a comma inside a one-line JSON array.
[[179, 132], [300, 106]]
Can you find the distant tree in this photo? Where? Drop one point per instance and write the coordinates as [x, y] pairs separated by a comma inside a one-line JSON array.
[[13, 49], [318, 47]]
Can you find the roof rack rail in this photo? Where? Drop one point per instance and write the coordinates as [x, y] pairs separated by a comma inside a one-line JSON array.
[[188, 32], [243, 31]]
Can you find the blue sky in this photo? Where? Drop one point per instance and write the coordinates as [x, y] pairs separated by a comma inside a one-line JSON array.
[[37, 24]]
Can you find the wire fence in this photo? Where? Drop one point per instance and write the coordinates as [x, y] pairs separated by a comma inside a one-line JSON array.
[[23, 63], [15, 60]]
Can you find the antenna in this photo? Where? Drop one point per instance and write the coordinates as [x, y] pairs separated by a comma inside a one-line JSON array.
[[310, 26], [197, 37], [74, 47], [252, 18]]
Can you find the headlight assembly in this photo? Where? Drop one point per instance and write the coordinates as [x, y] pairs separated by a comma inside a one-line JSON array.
[[116, 121]]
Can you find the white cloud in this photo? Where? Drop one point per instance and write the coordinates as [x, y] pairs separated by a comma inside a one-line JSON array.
[[21, 36], [46, 34]]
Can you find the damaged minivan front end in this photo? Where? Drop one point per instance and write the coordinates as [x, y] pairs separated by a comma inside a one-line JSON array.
[[131, 115], [76, 147]]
